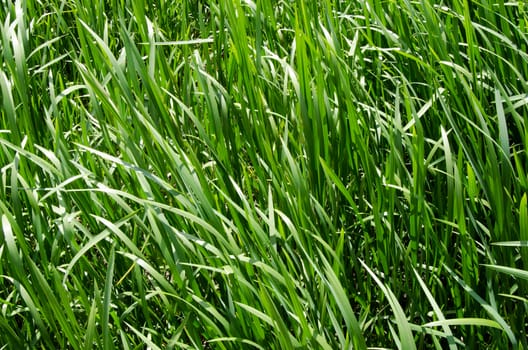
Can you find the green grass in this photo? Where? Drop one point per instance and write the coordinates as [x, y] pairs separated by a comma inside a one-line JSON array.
[[263, 174]]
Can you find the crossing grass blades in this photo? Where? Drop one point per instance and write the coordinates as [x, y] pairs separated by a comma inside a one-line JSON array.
[[263, 174]]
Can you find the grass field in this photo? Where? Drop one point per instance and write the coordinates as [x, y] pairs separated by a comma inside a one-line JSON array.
[[240, 174]]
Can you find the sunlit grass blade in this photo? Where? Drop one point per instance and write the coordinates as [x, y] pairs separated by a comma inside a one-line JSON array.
[[522, 274], [437, 311], [493, 313], [405, 336]]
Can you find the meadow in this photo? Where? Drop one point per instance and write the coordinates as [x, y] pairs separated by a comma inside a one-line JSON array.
[[258, 174]]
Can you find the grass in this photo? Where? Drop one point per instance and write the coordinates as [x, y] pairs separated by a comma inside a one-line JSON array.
[[263, 174]]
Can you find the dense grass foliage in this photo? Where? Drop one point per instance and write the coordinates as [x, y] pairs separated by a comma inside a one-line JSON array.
[[263, 174]]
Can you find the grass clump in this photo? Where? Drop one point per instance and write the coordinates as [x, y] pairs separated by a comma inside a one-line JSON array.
[[258, 174]]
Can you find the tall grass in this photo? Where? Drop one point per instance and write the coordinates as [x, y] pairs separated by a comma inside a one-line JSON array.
[[263, 174]]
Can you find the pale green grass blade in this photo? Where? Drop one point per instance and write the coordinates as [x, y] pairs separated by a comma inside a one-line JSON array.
[[236, 341], [503, 128], [479, 322], [511, 244], [63, 318], [14, 255], [107, 301], [344, 306], [522, 274], [437, 311], [404, 330], [493, 313], [91, 328], [145, 339]]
